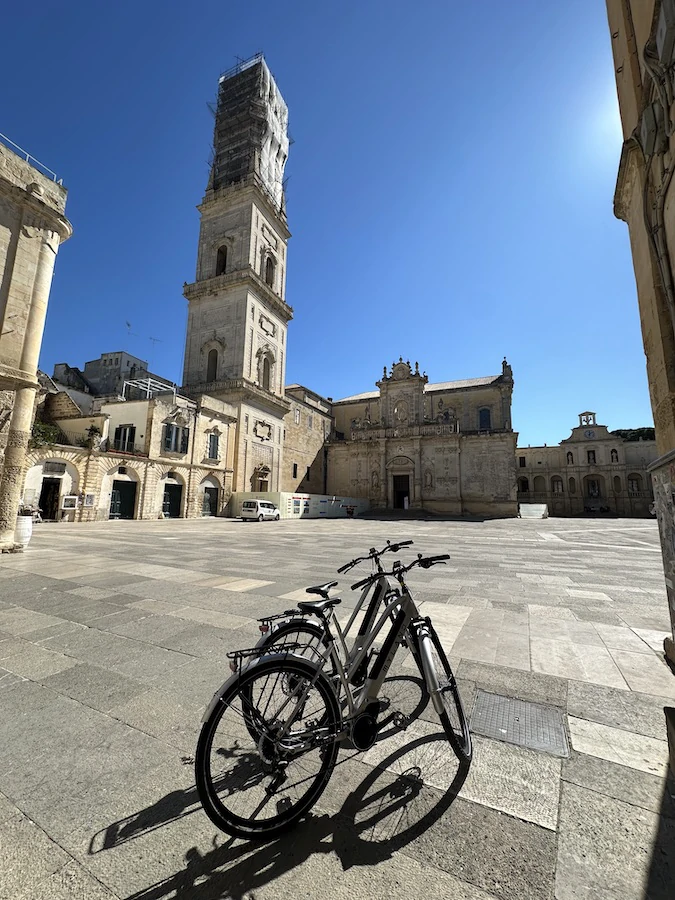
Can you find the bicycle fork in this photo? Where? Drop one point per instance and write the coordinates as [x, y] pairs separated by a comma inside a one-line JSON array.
[[424, 643]]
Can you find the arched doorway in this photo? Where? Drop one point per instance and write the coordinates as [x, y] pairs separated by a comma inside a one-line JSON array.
[[172, 490], [210, 493], [401, 474], [123, 493], [47, 483]]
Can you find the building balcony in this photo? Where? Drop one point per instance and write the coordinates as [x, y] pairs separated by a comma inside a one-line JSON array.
[[124, 448]]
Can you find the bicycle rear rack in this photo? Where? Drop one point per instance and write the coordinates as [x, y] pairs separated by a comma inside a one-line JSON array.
[[266, 621]]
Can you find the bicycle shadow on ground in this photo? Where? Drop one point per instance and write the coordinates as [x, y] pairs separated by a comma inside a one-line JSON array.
[[403, 693], [383, 814]]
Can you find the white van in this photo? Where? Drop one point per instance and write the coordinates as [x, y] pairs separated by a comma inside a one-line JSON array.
[[260, 510]]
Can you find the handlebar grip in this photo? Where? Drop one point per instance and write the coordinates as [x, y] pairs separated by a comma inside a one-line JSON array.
[[405, 543], [433, 560], [344, 568], [364, 581]]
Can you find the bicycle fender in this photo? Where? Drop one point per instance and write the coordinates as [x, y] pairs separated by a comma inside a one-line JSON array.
[[217, 697], [225, 686]]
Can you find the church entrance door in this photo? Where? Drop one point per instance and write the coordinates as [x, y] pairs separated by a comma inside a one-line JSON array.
[[401, 491]]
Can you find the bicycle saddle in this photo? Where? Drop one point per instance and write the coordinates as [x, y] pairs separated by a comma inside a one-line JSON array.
[[321, 589], [318, 606]]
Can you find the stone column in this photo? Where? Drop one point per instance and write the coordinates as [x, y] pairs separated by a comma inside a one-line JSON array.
[[14, 463], [24, 398], [663, 480]]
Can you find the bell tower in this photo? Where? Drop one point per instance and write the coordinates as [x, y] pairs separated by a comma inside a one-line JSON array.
[[235, 347]]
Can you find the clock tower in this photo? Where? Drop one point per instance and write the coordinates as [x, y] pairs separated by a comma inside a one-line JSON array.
[[235, 348]]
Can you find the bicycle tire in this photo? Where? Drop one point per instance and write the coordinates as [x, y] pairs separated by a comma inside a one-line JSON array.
[[285, 639], [283, 636], [453, 718], [252, 762]]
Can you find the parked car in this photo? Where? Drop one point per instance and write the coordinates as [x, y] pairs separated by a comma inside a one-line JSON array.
[[260, 510]]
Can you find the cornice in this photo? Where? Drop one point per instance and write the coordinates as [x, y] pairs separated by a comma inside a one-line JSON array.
[[628, 169], [242, 390], [12, 379], [254, 185], [47, 217], [219, 283]]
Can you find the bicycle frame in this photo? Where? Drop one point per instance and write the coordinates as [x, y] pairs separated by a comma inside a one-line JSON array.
[[402, 608]]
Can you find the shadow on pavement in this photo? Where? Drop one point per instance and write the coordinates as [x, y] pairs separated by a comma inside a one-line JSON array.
[[381, 815], [660, 883]]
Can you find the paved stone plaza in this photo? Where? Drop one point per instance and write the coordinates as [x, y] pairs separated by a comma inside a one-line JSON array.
[[113, 638]]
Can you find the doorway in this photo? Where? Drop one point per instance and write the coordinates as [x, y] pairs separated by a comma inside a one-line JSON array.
[[49, 498], [123, 500], [210, 503], [401, 488], [173, 494]]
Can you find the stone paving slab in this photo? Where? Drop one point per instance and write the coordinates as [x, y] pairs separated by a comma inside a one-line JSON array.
[[633, 750], [27, 855], [610, 849], [119, 648], [621, 783]]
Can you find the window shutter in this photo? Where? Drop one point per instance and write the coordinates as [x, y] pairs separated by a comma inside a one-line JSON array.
[[184, 437], [166, 440]]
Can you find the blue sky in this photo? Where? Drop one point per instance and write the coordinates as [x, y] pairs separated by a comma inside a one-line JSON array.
[[450, 187]]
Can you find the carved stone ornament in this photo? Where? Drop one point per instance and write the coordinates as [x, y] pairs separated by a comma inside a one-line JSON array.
[[263, 430], [268, 326], [401, 412], [400, 371], [269, 236]]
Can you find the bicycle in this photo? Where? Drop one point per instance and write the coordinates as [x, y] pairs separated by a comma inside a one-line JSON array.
[[291, 627], [271, 734]]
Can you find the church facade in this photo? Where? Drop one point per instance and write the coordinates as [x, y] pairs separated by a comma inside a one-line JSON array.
[[446, 447]]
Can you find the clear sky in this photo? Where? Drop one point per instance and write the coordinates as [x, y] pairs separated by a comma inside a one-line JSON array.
[[450, 187]]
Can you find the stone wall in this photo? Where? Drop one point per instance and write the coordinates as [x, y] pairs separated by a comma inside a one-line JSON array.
[[305, 431]]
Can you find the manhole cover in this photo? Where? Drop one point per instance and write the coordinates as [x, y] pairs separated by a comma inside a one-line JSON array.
[[517, 722]]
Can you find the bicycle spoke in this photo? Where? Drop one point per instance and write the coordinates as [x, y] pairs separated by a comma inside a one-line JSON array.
[[265, 754]]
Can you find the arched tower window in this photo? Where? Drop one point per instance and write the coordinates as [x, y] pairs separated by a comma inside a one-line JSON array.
[[266, 370], [221, 260], [269, 271], [484, 420], [212, 365]]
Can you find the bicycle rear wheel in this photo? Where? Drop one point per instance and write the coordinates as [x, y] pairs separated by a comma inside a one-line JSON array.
[[441, 681], [301, 637], [257, 782]]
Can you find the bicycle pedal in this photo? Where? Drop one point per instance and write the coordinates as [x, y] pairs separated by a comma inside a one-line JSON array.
[[400, 720]]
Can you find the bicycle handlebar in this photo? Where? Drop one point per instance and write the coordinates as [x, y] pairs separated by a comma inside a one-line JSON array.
[[398, 570], [374, 554]]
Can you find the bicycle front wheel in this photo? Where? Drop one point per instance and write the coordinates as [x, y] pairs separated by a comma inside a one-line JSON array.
[[257, 782], [441, 682]]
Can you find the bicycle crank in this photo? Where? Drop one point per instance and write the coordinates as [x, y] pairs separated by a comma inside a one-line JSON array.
[[365, 727]]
